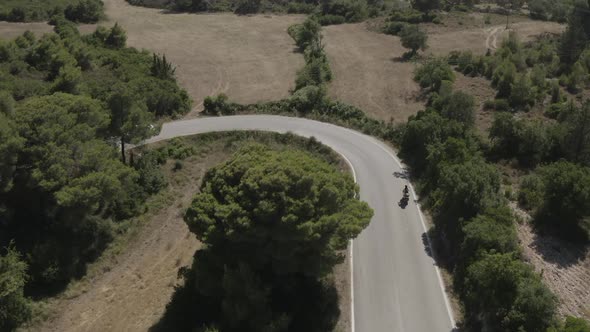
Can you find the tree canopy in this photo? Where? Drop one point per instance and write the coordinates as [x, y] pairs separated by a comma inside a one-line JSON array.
[[271, 219]]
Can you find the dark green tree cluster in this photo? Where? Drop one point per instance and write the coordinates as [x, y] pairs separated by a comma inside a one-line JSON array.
[[65, 102], [473, 224], [547, 10], [274, 224], [308, 38], [83, 11], [559, 195]]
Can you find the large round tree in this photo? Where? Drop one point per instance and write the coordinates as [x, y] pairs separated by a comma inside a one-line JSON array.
[[274, 223]]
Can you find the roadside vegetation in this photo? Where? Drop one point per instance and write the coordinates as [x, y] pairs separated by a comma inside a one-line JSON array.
[[67, 102], [83, 11], [266, 260], [475, 229]]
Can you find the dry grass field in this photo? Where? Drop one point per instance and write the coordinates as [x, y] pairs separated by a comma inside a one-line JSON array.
[[368, 72], [249, 58]]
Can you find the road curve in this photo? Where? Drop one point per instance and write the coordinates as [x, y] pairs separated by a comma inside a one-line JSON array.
[[396, 286]]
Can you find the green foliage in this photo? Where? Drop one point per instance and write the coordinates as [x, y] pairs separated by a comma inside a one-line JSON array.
[[394, 28], [576, 139], [117, 38], [161, 68], [547, 10], [425, 5], [85, 11], [530, 141], [350, 10], [575, 38], [490, 232], [565, 193], [306, 33], [507, 295], [572, 324], [62, 185], [309, 39], [414, 38], [219, 106], [14, 307], [247, 6], [270, 218], [432, 73]]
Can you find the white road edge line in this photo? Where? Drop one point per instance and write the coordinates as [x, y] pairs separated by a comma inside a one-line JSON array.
[[352, 323]]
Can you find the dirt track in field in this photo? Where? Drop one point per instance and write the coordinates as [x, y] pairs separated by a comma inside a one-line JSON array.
[[368, 72]]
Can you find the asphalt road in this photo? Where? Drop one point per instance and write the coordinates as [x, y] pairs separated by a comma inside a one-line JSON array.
[[396, 284]]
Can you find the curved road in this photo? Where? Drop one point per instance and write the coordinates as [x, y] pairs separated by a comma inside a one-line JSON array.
[[396, 285]]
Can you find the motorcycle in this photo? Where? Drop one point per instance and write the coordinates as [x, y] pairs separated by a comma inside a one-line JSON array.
[[405, 198]]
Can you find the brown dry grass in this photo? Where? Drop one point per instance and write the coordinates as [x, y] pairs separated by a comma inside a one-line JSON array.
[[367, 74], [249, 58], [565, 268]]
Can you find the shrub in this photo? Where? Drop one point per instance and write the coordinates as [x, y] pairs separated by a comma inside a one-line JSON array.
[[247, 7], [394, 28], [431, 74], [414, 38], [331, 19], [85, 11], [15, 309], [219, 105], [351, 10]]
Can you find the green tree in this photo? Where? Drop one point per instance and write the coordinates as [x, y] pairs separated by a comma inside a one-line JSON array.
[[572, 324], [272, 222], [433, 72], [576, 141], [306, 33], [575, 38], [117, 37], [15, 309], [414, 38], [461, 108], [129, 121], [425, 5], [503, 294], [566, 196], [521, 93], [161, 68], [10, 145]]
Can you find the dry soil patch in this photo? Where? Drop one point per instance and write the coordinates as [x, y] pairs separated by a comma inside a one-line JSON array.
[[563, 267]]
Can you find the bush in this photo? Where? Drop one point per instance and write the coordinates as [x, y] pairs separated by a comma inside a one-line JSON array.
[[394, 28], [331, 19], [247, 7], [219, 106], [351, 10], [431, 74], [414, 38], [85, 11], [15, 309]]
